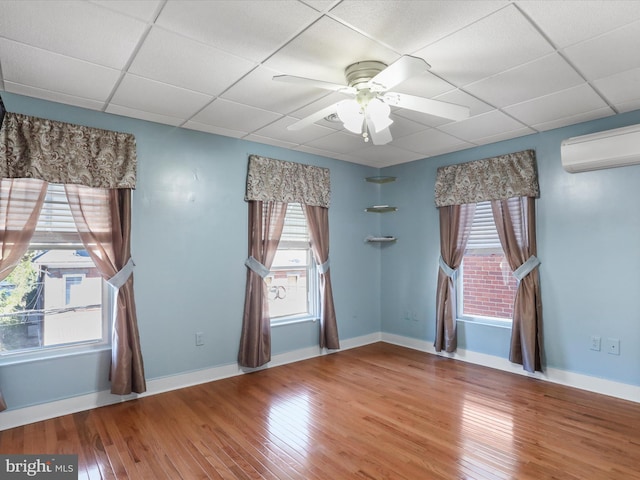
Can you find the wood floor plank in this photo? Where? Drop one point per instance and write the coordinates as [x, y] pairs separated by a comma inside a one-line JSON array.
[[375, 412]]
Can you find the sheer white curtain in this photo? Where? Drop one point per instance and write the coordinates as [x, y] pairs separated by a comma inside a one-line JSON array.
[[21, 200]]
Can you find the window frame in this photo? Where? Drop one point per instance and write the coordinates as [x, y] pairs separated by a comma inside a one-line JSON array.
[[313, 293], [486, 243], [47, 238]]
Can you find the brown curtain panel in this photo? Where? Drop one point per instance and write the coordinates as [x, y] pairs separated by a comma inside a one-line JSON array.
[[21, 200], [103, 219], [516, 225], [266, 221], [318, 222], [455, 227]]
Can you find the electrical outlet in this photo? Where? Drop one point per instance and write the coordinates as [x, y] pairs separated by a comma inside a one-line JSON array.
[[199, 339], [595, 343], [613, 346]]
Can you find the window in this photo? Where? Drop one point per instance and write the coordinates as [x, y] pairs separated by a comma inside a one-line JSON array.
[[486, 286], [291, 283], [54, 296]]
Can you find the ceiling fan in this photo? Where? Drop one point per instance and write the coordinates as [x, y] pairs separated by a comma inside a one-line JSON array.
[[369, 82]]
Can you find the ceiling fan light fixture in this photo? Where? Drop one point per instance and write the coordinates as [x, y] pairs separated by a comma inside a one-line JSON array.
[[350, 113], [378, 112]]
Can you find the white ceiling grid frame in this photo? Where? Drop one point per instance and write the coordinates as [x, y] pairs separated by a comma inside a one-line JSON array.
[[565, 103], [252, 29], [235, 116], [320, 52], [46, 70], [108, 38], [415, 24], [257, 89], [278, 130], [496, 43], [146, 95], [187, 63], [537, 78], [552, 63]]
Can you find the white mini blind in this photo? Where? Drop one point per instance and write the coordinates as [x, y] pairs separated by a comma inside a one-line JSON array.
[[55, 224], [295, 225], [483, 232]]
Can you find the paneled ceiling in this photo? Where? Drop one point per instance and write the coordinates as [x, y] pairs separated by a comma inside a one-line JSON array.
[[521, 66]]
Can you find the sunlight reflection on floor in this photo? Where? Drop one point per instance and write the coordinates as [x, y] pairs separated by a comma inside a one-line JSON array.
[[289, 421]]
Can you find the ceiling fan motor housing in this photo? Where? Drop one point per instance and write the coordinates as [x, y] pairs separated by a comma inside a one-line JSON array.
[[359, 73]]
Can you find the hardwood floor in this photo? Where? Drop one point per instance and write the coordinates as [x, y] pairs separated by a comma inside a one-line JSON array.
[[374, 412]]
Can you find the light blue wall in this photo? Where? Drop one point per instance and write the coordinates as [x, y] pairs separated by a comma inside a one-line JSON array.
[[588, 242], [189, 242]]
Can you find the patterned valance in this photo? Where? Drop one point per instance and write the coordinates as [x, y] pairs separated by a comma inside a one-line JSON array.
[[495, 178], [58, 152], [270, 180]]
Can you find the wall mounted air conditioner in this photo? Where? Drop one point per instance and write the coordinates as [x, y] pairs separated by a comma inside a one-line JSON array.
[[608, 149]]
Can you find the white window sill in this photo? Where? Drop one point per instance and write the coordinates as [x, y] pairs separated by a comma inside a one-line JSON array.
[[51, 353], [292, 321], [489, 322]]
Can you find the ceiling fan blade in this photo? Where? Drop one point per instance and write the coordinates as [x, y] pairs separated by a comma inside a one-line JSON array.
[[426, 105], [381, 137], [403, 68], [313, 118], [309, 82]]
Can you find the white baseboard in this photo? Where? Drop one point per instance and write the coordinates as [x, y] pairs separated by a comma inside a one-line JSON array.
[[584, 382], [45, 411], [36, 413]]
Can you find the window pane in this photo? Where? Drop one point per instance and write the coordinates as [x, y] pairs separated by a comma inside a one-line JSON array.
[[289, 282], [486, 282], [488, 285], [53, 297]]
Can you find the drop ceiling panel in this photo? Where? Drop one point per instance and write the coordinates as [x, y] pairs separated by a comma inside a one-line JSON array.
[[430, 142], [607, 54], [278, 130], [201, 127], [504, 136], [628, 106], [620, 88], [258, 89], [144, 10], [383, 155], [142, 115], [76, 29], [425, 85], [159, 98], [52, 96], [534, 79], [573, 119], [340, 142], [187, 63], [402, 126], [415, 24], [235, 116], [559, 105], [496, 43], [521, 66], [49, 71], [480, 126], [325, 49], [568, 22], [252, 29], [459, 97], [269, 141], [318, 105]]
